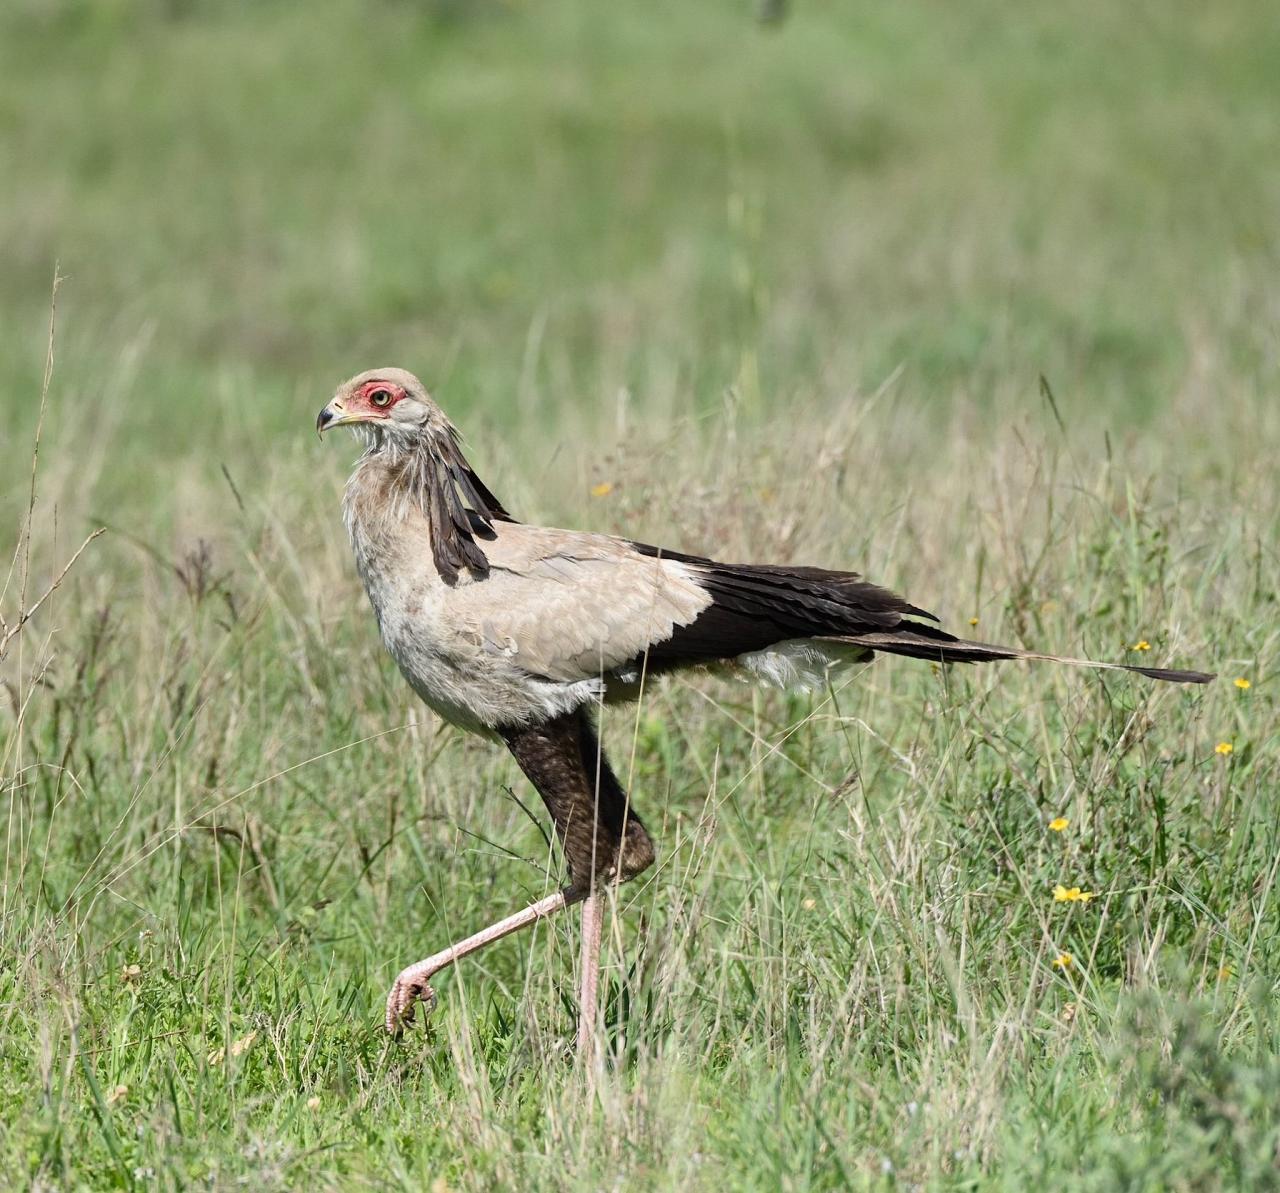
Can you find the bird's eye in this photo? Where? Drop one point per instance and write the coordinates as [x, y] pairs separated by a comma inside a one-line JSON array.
[[381, 397]]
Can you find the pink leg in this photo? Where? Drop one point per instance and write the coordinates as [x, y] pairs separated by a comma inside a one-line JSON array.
[[589, 979], [412, 982]]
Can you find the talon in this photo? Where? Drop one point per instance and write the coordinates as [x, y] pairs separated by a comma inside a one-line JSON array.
[[401, 1000]]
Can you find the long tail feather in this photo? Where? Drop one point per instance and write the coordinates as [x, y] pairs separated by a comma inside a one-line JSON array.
[[919, 642]]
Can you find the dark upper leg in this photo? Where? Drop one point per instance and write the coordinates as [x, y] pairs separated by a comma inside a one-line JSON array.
[[599, 833]]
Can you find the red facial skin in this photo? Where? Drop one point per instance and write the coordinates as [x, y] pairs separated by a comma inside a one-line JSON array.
[[363, 399]]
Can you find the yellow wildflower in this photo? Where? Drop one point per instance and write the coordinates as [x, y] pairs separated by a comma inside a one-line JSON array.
[[1143, 645], [1224, 973], [1224, 748], [603, 489], [1243, 684], [973, 621], [1063, 894], [1063, 961], [1058, 824]]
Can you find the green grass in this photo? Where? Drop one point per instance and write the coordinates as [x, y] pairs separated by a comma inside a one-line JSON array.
[[790, 290]]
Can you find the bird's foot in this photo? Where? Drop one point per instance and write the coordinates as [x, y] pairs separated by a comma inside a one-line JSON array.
[[409, 988]]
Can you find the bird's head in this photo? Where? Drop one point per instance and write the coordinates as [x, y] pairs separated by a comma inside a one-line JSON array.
[[384, 403], [392, 412]]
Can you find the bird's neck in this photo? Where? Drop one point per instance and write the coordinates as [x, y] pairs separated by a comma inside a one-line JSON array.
[[391, 478], [426, 478]]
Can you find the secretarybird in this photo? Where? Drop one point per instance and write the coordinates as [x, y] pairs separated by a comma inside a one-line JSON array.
[[518, 632]]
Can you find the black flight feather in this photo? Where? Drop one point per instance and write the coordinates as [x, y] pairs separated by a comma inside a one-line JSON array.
[[755, 606]]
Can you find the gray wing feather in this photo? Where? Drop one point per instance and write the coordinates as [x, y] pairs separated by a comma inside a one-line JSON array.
[[568, 606]]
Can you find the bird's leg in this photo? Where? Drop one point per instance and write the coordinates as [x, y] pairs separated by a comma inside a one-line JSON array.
[[621, 849], [411, 985], [602, 839], [589, 975], [603, 842]]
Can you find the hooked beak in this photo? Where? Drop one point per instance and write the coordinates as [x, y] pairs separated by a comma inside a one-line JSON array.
[[333, 415]]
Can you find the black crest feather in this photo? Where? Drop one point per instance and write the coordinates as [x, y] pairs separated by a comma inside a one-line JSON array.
[[460, 508]]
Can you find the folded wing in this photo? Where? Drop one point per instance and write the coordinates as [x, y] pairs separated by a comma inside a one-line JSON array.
[[567, 606]]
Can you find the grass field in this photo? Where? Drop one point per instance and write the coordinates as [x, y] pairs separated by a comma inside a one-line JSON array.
[[787, 291]]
